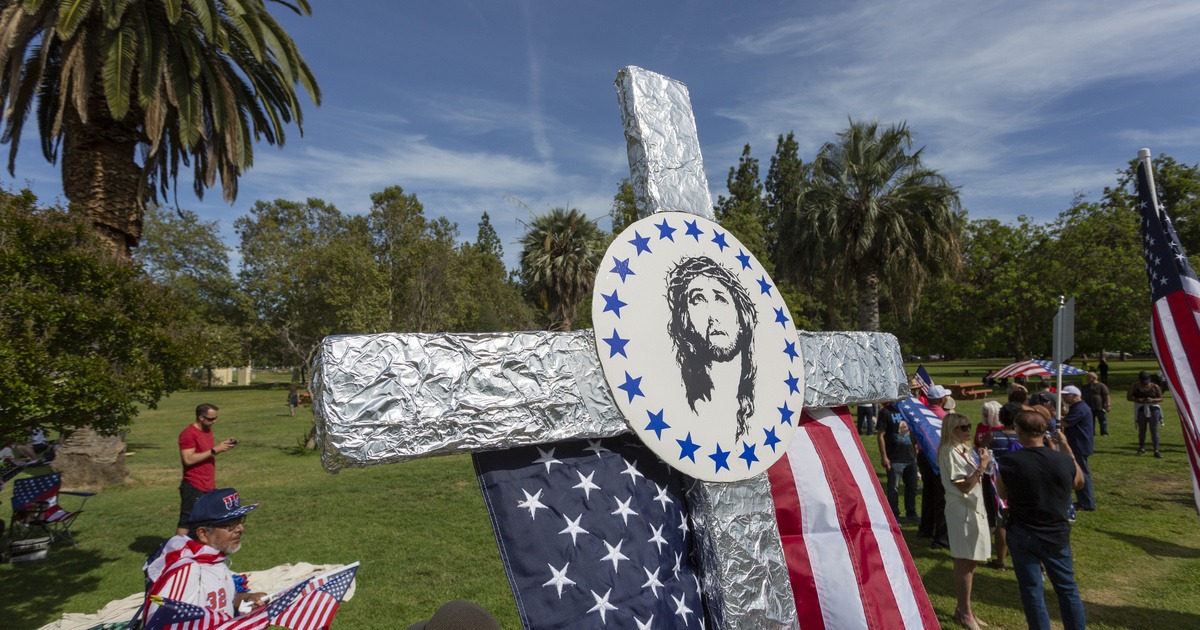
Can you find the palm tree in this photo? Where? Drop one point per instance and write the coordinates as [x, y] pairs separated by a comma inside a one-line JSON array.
[[872, 211], [560, 253], [131, 89]]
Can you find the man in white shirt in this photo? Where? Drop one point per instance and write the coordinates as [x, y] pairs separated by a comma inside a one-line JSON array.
[[192, 568]]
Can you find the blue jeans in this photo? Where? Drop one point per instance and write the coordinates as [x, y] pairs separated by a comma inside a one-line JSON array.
[[1084, 496], [1101, 416], [1029, 555], [908, 472]]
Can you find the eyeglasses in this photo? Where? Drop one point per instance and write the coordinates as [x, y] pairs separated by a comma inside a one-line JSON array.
[[231, 524], [964, 427]]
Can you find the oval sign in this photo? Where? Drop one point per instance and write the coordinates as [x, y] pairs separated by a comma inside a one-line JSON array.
[[698, 346]]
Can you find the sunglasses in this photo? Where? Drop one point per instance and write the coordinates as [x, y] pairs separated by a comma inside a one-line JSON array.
[[231, 524], [964, 427]]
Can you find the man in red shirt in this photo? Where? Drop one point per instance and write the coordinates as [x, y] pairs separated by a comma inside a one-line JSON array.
[[199, 456]]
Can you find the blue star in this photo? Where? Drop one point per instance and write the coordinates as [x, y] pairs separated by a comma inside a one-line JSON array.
[[779, 316], [743, 258], [720, 458], [693, 231], [785, 414], [622, 267], [613, 303], [764, 286], [632, 386], [719, 239], [616, 345], [771, 439], [792, 383], [789, 349], [688, 448], [748, 454], [665, 231], [642, 243], [656, 423]]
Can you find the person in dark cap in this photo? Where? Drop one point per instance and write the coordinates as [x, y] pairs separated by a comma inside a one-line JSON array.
[[192, 569], [459, 615], [1146, 396]]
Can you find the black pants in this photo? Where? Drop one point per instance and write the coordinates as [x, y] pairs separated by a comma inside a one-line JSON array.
[[188, 494], [933, 505]]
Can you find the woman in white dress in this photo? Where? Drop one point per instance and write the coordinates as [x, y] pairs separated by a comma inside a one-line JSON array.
[[962, 471]]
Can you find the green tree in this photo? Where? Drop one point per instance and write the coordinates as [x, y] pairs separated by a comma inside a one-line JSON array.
[[876, 211], [85, 340], [130, 90], [1178, 189], [624, 212], [303, 270], [188, 255], [560, 254], [744, 210], [783, 184], [1097, 259]]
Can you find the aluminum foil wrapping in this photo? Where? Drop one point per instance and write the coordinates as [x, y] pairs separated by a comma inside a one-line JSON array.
[[380, 399], [666, 169], [846, 368], [745, 575]]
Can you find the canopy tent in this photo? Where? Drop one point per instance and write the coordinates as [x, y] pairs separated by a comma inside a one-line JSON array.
[[1034, 368]]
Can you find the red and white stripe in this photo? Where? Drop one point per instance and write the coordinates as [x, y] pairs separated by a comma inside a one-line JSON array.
[[1175, 333], [849, 566], [311, 611], [1024, 368]]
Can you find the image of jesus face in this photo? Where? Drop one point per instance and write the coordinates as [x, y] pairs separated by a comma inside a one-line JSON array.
[[712, 316], [712, 321]]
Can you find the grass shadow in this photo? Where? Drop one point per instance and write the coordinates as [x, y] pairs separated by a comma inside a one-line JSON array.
[[35, 592], [1155, 547], [142, 446], [145, 544], [1138, 617]]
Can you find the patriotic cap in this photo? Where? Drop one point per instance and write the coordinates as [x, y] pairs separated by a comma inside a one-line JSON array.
[[458, 615], [218, 505]]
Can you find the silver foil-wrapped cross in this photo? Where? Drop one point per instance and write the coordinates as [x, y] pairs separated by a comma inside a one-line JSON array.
[[389, 398]]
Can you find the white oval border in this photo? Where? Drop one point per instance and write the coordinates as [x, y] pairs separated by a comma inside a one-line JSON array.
[[630, 315]]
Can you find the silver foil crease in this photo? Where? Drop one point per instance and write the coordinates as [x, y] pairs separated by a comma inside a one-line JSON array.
[[380, 399], [746, 584], [847, 368], [666, 169], [387, 398]]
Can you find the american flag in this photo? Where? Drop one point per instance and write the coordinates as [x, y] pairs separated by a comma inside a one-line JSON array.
[[925, 425], [923, 380], [1036, 367], [849, 565], [173, 614], [266, 615], [593, 534], [1174, 325], [42, 488], [319, 600]]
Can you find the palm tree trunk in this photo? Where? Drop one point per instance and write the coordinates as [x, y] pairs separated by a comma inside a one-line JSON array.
[[867, 282], [101, 177]]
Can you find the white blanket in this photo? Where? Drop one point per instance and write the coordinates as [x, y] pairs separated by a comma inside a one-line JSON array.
[[268, 581]]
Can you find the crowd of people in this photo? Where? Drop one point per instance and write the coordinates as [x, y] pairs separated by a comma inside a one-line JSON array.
[[1003, 491]]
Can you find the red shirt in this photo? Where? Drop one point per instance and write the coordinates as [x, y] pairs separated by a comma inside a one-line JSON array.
[[981, 430], [203, 475]]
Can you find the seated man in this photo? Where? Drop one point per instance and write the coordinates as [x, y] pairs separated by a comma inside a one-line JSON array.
[[192, 568]]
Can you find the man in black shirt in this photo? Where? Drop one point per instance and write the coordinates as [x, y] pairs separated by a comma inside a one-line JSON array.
[[1037, 480], [898, 456]]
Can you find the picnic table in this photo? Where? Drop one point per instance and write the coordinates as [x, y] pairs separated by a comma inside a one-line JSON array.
[[305, 398], [968, 391]]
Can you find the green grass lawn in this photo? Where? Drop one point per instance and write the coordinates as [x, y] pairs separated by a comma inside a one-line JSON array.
[[422, 534]]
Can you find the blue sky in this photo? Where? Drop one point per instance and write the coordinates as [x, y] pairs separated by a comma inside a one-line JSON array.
[[473, 104]]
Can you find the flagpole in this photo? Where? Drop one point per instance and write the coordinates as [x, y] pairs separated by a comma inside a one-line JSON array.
[[1058, 332], [1144, 158]]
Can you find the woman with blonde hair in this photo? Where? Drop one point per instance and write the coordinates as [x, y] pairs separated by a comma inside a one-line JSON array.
[[962, 472]]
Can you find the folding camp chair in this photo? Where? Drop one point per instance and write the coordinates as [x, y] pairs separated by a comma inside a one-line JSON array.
[[35, 506]]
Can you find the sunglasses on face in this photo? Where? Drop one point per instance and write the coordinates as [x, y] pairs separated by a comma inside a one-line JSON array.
[[964, 427], [231, 524]]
